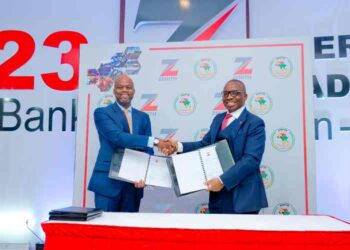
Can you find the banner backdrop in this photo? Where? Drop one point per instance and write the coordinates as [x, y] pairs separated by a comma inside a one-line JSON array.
[[179, 85], [38, 123]]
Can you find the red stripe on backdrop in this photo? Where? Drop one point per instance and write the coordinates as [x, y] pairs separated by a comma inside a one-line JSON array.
[[210, 31], [228, 46], [304, 131], [86, 149]]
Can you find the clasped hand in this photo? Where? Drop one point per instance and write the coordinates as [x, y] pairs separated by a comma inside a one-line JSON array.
[[167, 146]]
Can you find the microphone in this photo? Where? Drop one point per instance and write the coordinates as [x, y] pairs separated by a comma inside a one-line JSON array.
[[41, 241]]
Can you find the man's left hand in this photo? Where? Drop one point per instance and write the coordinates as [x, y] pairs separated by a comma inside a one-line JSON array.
[[139, 184], [214, 185]]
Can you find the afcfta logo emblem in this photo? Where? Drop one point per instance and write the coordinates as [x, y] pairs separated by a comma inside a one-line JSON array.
[[284, 209], [185, 104], [282, 139], [205, 69], [267, 176], [281, 67], [260, 103]]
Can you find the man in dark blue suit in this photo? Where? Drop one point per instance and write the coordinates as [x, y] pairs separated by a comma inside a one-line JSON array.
[[120, 126], [239, 190]]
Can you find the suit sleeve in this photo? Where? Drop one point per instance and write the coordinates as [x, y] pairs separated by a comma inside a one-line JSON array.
[[148, 132], [252, 155], [114, 132]]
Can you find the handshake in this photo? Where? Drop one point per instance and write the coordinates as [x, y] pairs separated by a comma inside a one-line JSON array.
[[167, 146]]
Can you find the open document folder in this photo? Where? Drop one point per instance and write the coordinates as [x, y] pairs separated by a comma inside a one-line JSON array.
[[190, 170], [131, 165]]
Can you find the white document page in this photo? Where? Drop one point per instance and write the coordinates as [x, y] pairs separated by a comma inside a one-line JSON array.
[[189, 172], [158, 172], [211, 162], [134, 165]]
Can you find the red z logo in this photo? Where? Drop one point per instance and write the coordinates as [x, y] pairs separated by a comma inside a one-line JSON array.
[[243, 68], [169, 69]]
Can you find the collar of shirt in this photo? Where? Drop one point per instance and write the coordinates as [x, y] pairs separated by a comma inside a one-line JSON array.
[[122, 108], [235, 115]]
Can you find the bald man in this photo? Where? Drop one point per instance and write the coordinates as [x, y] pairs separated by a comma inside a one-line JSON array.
[[120, 126]]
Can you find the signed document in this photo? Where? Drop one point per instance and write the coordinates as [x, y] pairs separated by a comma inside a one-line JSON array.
[[190, 170], [132, 165]]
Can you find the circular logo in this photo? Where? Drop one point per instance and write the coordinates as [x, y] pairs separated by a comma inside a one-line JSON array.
[[205, 69], [281, 67], [260, 103], [202, 208], [284, 209], [185, 104], [200, 134], [267, 176], [282, 139], [106, 101]]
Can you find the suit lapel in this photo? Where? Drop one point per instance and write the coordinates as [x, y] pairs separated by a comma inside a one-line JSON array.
[[217, 127], [234, 127], [119, 117], [135, 122]]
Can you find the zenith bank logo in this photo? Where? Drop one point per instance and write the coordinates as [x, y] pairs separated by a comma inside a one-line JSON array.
[[219, 107], [169, 72], [168, 133], [149, 105], [197, 20], [243, 70]]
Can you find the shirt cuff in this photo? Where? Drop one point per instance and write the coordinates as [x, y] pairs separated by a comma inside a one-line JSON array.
[[180, 147], [220, 180], [150, 142]]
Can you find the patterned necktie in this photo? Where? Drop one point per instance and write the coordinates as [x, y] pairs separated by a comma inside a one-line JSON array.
[[225, 121], [126, 112]]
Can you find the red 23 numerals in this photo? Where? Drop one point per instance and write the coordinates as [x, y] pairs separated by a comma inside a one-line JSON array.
[[26, 48]]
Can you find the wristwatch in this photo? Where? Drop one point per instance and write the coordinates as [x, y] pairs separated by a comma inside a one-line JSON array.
[[155, 142]]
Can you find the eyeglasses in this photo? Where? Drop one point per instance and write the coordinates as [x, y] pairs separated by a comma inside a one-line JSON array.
[[233, 93]]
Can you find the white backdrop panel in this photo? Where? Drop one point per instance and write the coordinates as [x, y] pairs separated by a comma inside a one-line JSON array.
[[282, 96]]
